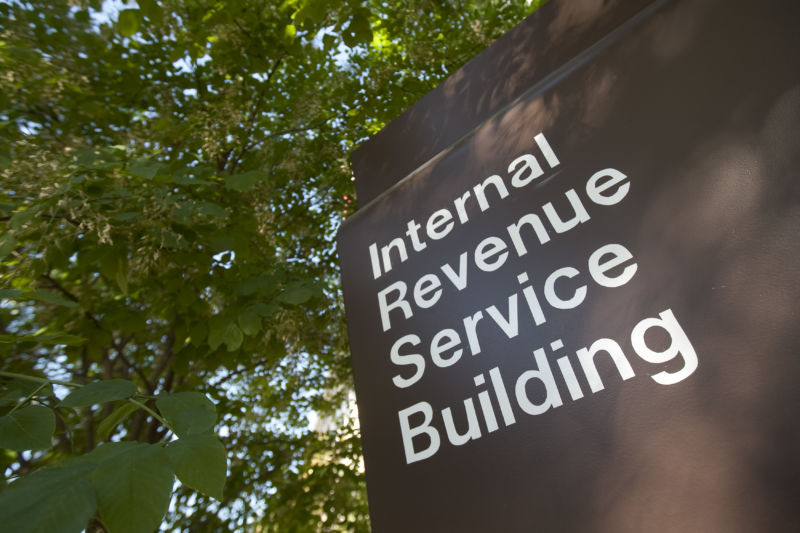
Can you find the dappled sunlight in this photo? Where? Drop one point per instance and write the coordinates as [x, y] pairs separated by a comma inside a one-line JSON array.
[[700, 113]]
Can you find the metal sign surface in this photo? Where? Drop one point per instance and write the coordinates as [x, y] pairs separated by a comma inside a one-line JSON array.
[[582, 315]]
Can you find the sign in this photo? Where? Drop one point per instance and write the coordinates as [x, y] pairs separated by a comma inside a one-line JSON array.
[[576, 310]]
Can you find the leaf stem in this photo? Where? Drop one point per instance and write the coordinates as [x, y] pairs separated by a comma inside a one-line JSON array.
[[38, 379], [152, 413], [27, 398]]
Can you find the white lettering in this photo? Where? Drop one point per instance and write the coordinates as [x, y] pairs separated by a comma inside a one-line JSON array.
[[412, 455]]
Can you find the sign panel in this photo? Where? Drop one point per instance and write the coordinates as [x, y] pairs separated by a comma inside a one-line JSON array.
[[582, 316]]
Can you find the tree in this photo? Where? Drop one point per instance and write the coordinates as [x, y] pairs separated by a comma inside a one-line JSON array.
[[173, 175]]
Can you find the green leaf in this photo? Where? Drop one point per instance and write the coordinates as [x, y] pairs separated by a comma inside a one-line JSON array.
[[12, 294], [86, 156], [50, 499], [29, 428], [265, 309], [313, 11], [99, 392], [188, 180], [117, 416], [289, 33], [5, 338], [126, 216], [108, 450], [242, 182], [232, 337], [187, 412], [224, 331], [328, 41], [249, 322], [358, 31], [362, 29], [216, 330], [295, 295], [210, 208], [7, 244], [133, 486], [198, 333], [220, 242], [144, 169], [59, 338], [151, 10], [18, 389], [200, 463], [264, 283], [20, 218], [114, 266], [49, 297], [122, 279], [128, 22], [11, 396], [48, 340]]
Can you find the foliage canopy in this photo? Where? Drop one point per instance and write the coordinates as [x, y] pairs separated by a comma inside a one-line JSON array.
[[173, 174]]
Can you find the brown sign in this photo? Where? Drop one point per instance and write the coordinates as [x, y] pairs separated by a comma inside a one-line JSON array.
[[574, 307]]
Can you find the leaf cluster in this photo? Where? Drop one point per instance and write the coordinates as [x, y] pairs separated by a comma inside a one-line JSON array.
[[120, 486], [173, 176]]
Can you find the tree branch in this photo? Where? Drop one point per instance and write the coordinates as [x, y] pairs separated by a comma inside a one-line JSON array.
[[251, 119], [88, 414], [118, 348], [232, 374], [164, 360]]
